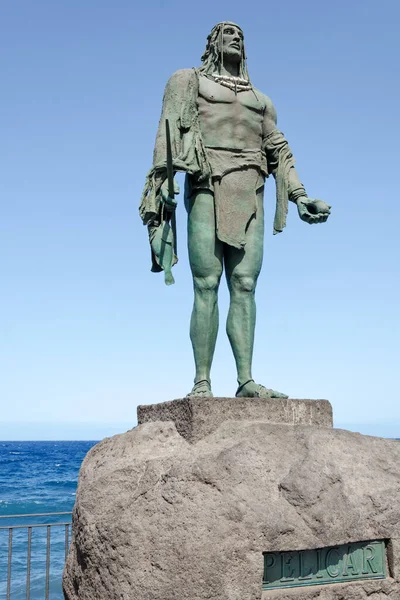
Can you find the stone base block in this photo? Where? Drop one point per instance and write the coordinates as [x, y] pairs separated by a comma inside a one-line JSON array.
[[196, 418]]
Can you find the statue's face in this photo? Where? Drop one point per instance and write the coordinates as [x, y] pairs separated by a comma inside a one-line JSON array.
[[232, 40]]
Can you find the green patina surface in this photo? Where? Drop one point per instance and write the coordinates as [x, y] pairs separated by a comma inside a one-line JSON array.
[[334, 564], [222, 132]]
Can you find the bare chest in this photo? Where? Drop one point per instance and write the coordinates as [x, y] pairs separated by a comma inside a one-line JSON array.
[[229, 120], [215, 93]]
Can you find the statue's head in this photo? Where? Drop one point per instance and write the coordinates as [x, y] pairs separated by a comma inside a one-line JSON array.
[[225, 44]]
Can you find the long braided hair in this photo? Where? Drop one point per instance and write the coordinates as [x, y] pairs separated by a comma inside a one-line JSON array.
[[212, 58]]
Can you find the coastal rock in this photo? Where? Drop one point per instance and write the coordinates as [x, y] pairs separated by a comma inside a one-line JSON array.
[[158, 518]]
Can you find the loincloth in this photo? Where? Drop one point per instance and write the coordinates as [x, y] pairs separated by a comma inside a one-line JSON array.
[[236, 176]]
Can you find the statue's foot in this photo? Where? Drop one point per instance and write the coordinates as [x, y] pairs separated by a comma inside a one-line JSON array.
[[201, 389], [251, 389]]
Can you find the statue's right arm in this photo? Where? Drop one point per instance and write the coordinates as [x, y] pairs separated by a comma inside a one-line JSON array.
[[171, 110], [173, 99]]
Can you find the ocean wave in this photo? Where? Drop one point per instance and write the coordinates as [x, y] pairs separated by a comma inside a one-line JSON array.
[[37, 477]]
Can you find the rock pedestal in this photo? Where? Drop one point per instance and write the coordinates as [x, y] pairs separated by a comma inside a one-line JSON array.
[[185, 506]]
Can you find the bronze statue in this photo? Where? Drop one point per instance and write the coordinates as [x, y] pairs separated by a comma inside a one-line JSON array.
[[224, 137]]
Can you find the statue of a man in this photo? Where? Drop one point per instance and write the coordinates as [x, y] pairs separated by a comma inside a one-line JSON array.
[[224, 137]]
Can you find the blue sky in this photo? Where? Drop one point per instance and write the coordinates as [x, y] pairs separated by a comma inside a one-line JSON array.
[[86, 331]]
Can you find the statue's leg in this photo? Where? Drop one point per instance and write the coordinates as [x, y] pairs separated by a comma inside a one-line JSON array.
[[242, 268], [206, 259]]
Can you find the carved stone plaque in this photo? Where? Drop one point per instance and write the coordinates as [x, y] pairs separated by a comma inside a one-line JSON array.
[[334, 564]]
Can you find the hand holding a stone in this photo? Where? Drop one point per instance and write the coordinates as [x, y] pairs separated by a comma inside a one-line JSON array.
[[313, 211]]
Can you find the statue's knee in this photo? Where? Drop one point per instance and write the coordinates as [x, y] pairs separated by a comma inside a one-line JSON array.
[[207, 284], [243, 283]]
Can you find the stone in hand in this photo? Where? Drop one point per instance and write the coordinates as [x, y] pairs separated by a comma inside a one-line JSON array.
[[313, 211]]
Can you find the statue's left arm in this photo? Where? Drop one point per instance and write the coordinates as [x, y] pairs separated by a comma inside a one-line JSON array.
[[288, 186]]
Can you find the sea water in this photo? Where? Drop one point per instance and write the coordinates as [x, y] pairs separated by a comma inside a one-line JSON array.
[[36, 477]]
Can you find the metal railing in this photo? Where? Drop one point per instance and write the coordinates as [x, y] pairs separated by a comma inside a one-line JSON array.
[[27, 547]]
